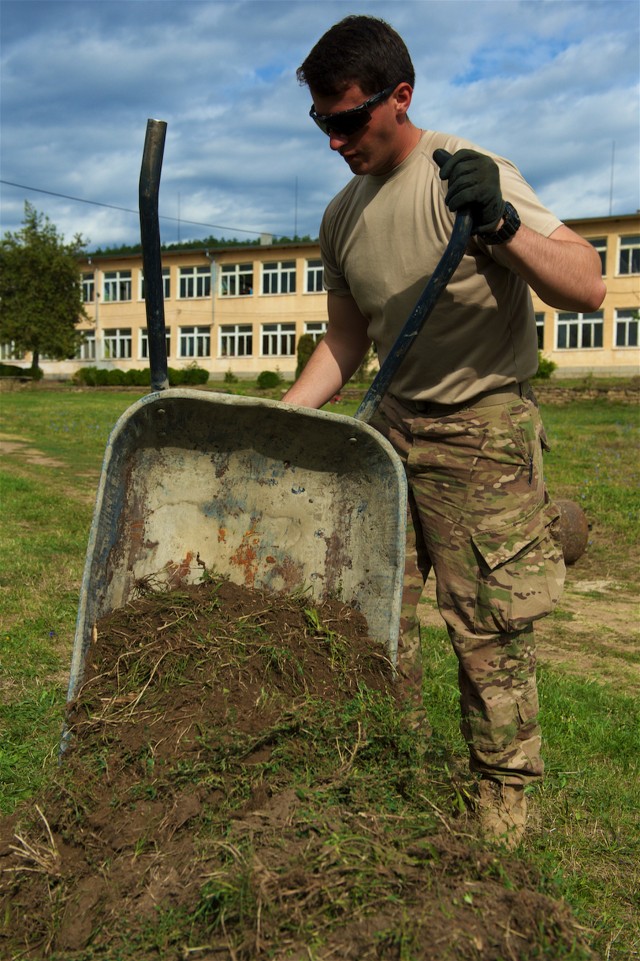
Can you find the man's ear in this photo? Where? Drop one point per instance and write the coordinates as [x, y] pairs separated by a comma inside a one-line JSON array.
[[402, 96]]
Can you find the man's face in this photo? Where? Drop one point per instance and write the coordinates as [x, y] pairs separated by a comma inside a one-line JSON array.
[[377, 147]]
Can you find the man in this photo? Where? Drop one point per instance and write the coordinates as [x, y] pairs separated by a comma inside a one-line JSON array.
[[459, 412]]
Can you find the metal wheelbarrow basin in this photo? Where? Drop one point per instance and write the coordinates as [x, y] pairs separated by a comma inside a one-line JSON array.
[[269, 496]]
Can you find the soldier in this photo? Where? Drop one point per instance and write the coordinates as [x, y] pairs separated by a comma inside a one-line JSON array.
[[460, 411]]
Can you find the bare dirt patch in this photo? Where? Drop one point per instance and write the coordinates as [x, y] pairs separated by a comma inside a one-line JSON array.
[[595, 628], [241, 784], [10, 444]]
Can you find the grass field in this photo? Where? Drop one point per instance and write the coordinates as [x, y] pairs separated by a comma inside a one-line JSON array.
[[585, 838]]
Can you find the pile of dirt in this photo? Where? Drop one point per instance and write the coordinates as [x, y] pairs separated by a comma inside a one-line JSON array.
[[241, 783]]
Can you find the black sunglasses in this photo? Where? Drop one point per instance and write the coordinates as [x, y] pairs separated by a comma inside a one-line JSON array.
[[348, 121]]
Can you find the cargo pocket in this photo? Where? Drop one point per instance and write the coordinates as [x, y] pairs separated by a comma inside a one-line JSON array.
[[520, 574]]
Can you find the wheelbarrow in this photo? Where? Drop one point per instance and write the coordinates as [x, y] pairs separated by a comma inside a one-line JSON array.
[[267, 495]]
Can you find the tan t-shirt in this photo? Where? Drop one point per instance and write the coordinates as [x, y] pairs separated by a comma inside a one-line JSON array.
[[381, 238]]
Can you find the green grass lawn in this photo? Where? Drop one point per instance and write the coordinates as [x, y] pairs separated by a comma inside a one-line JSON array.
[[586, 835]]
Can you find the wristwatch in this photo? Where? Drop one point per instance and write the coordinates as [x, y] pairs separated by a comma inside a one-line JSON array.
[[509, 227]]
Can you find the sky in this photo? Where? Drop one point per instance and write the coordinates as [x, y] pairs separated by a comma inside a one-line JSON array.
[[551, 84]]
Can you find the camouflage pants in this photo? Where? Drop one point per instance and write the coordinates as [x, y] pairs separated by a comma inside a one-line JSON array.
[[479, 516]]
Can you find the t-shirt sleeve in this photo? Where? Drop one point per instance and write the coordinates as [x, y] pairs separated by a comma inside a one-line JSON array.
[[333, 279], [530, 209]]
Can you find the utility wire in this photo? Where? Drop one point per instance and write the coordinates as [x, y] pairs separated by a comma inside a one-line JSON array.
[[127, 210]]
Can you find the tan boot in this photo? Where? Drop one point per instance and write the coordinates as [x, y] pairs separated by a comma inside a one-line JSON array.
[[502, 812]]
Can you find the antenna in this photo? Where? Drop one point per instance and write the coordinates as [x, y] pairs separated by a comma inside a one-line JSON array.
[[613, 155]]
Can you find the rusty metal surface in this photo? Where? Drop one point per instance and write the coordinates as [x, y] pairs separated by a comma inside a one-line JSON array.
[[267, 495]]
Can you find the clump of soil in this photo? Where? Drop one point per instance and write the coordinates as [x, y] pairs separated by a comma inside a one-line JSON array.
[[241, 783]]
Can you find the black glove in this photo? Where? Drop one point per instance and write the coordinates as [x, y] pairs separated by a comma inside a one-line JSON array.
[[474, 182]]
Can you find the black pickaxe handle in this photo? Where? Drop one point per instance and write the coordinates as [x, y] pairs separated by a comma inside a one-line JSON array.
[[441, 276], [151, 254]]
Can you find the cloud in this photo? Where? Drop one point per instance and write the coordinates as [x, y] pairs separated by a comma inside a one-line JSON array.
[[553, 86]]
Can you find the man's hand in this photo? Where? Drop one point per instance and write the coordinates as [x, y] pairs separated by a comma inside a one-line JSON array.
[[474, 182]]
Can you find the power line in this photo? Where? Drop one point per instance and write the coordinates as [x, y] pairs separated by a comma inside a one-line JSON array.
[[128, 210]]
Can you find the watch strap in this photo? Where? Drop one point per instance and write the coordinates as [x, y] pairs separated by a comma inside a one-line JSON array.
[[509, 227]]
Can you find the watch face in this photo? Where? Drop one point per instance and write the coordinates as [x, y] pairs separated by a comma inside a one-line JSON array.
[[508, 229]]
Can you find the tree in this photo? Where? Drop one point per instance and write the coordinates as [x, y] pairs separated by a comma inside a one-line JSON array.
[[40, 294], [306, 346]]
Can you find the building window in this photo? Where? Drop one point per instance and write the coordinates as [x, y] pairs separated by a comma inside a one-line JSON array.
[[9, 352], [540, 330], [88, 288], [236, 280], [579, 331], [116, 286], [317, 329], [144, 344], [195, 342], [313, 277], [87, 348], [117, 343], [629, 255], [600, 244], [166, 283], [278, 340], [195, 282], [627, 322], [236, 340], [279, 277]]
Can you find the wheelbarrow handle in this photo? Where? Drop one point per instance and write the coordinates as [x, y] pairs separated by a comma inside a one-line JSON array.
[[151, 254], [439, 279]]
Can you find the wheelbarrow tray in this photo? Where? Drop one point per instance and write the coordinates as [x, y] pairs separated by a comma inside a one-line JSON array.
[[269, 496]]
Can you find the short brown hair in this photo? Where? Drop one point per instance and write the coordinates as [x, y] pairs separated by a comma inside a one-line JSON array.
[[358, 50]]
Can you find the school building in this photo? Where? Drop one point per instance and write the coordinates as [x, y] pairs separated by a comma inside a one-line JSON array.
[[242, 309]]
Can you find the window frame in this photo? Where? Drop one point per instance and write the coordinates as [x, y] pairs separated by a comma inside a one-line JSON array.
[[166, 284], [143, 343], [122, 337], [201, 335], [278, 274], [88, 341], [626, 319], [629, 244], [583, 322], [278, 334], [197, 278], [239, 276], [118, 281], [239, 336], [599, 244], [88, 287], [313, 268]]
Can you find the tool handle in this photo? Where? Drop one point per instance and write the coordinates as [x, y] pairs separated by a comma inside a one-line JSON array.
[[151, 255], [439, 279]]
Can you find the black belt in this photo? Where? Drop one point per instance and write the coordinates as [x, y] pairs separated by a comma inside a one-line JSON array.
[[488, 398]]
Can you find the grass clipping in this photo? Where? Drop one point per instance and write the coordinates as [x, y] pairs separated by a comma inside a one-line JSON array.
[[242, 784]]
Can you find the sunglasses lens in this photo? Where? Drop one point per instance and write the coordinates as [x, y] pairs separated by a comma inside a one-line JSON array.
[[346, 123]]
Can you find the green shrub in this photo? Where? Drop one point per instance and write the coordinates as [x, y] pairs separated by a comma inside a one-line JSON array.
[[10, 370], [269, 379], [306, 346], [230, 377], [138, 378], [98, 377], [545, 367], [86, 376], [195, 375]]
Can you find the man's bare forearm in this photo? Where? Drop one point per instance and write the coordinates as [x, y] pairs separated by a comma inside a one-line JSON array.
[[336, 358], [563, 269]]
